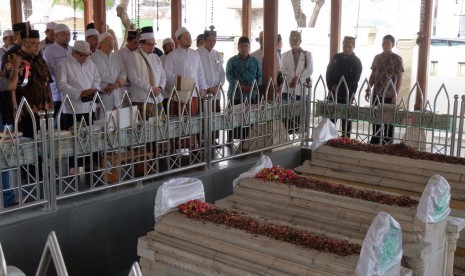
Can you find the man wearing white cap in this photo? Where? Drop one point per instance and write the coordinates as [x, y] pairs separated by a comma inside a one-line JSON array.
[[8, 41], [145, 72], [168, 46], [92, 38], [112, 72], [212, 65], [184, 61], [77, 77], [49, 36], [53, 55]]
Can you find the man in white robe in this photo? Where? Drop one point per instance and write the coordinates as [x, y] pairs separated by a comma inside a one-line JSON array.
[[185, 62], [53, 55], [296, 64], [145, 72], [8, 41], [112, 72], [212, 66], [49, 36], [77, 77]]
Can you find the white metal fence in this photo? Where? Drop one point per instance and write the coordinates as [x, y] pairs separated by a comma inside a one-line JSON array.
[[128, 147]]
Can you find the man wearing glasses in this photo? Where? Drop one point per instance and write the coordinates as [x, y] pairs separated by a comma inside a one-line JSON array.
[[145, 72], [37, 89], [77, 77]]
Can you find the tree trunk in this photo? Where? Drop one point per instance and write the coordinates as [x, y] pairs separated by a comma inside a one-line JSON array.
[[122, 13], [316, 12], [299, 15]]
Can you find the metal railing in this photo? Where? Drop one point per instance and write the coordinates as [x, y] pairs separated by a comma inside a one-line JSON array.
[[130, 145]]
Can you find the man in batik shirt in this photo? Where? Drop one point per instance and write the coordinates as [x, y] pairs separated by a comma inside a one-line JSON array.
[[386, 67]]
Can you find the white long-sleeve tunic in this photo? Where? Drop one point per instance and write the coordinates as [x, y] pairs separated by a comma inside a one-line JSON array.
[[53, 55], [138, 75], [212, 67], [73, 78], [110, 67], [181, 62]]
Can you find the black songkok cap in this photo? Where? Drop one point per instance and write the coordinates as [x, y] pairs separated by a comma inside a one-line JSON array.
[[90, 26], [17, 27], [244, 39], [132, 35], [30, 34], [147, 29]]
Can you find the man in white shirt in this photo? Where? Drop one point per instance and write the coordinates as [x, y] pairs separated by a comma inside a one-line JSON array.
[[49, 36], [53, 55], [145, 72], [132, 44], [8, 41], [92, 37], [77, 77], [168, 46], [212, 66], [296, 64], [184, 61], [112, 72]]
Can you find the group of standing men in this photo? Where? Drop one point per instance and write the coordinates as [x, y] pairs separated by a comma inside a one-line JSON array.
[[52, 72]]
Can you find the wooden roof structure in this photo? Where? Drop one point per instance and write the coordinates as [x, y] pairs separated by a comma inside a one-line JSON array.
[[94, 10]]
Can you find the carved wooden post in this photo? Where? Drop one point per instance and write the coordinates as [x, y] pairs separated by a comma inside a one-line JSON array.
[[16, 11], [176, 18]]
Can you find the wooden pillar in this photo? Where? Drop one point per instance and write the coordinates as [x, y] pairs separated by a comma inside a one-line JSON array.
[[270, 42], [16, 11], [335, 38], [247, 18], [176, 18], [100, 15], [424, 40], [88, 11]]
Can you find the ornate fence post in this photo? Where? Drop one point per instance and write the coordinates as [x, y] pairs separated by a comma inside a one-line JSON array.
[[51, 159], [207, 129], [45, 153], [461, 122]]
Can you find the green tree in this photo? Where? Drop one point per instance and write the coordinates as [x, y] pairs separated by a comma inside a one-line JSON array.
[[80, 3]]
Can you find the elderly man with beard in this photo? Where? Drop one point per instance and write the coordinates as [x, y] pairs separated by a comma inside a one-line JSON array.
[[53, 55], [112, 72], [37, 90]]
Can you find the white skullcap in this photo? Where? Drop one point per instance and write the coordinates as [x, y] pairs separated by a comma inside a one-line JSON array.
[[82, 46], [91, 32], [146, 36], [168, 40], [103, 36], [51, 26], [180, 31], [8, 33], [60, 28]]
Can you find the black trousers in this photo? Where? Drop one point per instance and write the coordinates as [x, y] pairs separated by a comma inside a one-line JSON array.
[[387, 132]]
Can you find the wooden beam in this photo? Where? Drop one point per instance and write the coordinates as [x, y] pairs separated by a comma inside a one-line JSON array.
[[88, 11], [335, 36], [100, 16], [424, 40], [247, 18], [176, 18], [16, 11], [270, 42]]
